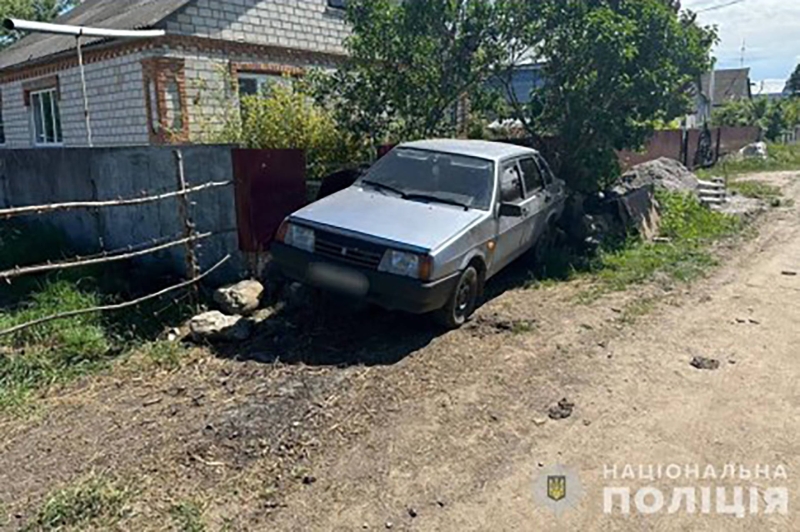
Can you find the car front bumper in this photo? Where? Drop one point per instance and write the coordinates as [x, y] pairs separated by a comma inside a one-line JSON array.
[[391, 292]]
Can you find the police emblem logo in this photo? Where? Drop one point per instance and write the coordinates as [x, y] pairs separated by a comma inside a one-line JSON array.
[[556, 487]]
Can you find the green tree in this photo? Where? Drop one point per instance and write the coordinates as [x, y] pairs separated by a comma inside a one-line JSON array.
[[614, 69], [793, 85], [38, 10], [282, 116], [773, 117], [410, 64]]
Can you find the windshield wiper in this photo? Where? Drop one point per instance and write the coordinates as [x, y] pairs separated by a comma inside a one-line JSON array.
[[437, 199], [381, 186]]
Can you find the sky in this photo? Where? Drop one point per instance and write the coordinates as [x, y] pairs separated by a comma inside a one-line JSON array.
[[770, 30]]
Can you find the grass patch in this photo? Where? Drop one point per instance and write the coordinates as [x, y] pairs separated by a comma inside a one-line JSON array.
[[688, 228], [188, 517], [779, 158], [93, 501], [163, 355], [53, 352], [59, 351], [757, 190], [637, 309]]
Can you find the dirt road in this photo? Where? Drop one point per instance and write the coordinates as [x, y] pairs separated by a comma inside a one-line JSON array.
[[467, 457], [440, 433]]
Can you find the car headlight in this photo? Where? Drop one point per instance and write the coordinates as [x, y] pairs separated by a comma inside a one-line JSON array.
[[299, 237], [406, 264]]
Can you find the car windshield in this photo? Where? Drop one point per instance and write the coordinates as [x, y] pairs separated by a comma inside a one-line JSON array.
[[421, 175]]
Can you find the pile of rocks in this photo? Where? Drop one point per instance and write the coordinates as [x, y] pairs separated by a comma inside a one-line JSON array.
[[240, 311], [661, 174]]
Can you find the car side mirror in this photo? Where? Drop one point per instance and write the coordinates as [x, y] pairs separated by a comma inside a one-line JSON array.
[[510, 210]]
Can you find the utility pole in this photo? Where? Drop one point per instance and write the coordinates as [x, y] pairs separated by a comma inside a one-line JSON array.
[[744, 51]]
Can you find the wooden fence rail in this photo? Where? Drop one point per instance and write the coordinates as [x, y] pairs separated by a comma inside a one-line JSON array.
[[102, 259], [119, 306], [43, 209], [189, 238]]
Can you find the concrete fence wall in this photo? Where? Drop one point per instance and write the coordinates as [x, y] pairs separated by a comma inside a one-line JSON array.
[[668, 143], [36, 177]]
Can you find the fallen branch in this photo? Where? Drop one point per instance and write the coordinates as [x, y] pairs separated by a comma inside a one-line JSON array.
[[39, 209], [101, 259], [109, 308]]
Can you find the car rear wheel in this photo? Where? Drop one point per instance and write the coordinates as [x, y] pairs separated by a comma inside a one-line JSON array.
[[462, 302]]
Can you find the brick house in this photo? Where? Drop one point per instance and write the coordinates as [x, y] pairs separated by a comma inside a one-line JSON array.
[[163, 90]]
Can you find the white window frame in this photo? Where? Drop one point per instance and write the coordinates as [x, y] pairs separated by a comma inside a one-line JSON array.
[[53, 97], [260, 79]]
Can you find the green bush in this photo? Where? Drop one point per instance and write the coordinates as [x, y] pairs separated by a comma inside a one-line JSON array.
[[685, 219], [688, 227], [285, 116]]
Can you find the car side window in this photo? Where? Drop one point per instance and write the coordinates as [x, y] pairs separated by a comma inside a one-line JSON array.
[[532, 175], [511, 185], [546, 171]]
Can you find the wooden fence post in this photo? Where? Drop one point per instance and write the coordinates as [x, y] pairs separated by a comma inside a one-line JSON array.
[[184, 211]]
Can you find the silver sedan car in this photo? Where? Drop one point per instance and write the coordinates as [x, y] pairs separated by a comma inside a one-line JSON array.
[[425, 227]]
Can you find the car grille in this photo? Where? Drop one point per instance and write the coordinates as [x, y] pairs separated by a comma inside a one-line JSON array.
[[350, 251]]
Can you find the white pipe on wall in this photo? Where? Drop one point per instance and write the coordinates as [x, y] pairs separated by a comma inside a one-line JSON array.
[[75, 31], [78, 32]]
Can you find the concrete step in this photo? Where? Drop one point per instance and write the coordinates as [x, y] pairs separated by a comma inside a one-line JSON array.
[[711, 185], [713, 193], [713, 201]]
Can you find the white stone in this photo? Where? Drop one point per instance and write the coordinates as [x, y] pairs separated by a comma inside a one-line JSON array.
[[217, 327], [241, 298]]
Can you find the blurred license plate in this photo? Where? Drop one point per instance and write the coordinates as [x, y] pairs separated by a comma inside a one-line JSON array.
[[339, 279]]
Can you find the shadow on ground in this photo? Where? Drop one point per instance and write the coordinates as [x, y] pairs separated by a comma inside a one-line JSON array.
[[327, 331]]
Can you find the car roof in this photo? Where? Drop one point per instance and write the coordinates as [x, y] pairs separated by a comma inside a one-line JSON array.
[[496, 151]]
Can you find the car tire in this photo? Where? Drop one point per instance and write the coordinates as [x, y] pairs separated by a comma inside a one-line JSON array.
[[462, 302], [549, 240]]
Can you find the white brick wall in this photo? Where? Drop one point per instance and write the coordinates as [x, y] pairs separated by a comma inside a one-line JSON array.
[[116, 86], [301, 24], [208, 89], [116, 101]]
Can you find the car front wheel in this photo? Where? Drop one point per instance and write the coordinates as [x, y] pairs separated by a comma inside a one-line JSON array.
[[462, 302]]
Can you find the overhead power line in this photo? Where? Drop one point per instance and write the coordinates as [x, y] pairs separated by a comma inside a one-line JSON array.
[[721, 6]]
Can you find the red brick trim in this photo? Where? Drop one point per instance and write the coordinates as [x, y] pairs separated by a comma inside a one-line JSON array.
[[57, 63], [103, 52], [161, 72], [50, 82], [267, 68]]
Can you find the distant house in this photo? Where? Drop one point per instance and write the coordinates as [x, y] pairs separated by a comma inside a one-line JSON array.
[[718, 89], [523, 80], [158, 91], [772, 89]]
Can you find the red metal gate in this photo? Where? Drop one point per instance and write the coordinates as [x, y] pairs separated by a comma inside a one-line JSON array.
[[270, 185]]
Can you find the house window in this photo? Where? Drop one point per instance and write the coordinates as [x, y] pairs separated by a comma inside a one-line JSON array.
[[337, 4], [252, 84], [173, 112], [46, 118], [165, 100]]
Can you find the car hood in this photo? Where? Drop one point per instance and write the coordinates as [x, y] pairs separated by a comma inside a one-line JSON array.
[[410, 223]]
